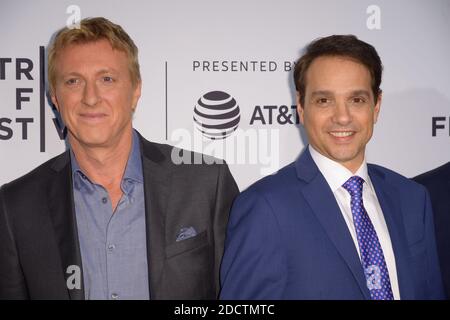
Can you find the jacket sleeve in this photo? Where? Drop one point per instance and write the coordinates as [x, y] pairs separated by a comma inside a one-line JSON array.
[[226, 192], [434, 279], [12, 281], [254, 264]]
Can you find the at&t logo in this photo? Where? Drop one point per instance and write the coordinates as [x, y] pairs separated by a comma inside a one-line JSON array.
[[216, 115]]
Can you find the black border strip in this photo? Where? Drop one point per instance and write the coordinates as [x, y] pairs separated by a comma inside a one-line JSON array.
[[166, 98], [42, 96]]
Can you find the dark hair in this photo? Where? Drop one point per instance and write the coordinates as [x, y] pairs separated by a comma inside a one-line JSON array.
[[344, 46]]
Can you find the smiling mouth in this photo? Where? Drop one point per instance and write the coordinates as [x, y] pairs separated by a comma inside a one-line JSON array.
[[92, 118], [92, 115], [342, 134]]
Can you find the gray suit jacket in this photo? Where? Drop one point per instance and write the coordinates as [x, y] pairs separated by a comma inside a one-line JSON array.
[[38, 230]]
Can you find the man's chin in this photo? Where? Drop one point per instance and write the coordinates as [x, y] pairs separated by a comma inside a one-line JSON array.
[[91, 141], [348, 159]]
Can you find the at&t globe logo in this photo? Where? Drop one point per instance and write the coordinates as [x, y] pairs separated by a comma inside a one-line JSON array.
[[216, 115]]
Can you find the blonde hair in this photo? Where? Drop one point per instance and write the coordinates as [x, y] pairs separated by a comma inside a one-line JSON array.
[[91, 30]]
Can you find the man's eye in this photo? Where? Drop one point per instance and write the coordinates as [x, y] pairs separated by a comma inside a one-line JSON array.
[[358, 100], [322, 101], [108, 79], [72, 81]]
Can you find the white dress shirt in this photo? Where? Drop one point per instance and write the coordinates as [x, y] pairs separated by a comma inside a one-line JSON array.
[[336, 175]]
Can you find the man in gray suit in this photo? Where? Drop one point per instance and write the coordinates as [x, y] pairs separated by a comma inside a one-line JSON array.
[[113, 217]]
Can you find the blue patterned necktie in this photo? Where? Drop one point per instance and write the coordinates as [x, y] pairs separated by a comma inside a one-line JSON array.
[[372, 257]]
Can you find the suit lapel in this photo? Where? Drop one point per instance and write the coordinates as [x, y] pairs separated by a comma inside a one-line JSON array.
[[156, 189], [62, 213], [386, 194], [323, 203]]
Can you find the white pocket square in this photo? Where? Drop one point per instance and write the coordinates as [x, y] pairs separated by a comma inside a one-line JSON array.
[[186, 233]]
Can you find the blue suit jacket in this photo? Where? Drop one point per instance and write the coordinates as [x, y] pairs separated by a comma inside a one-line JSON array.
[[437, 182], [287, 239]]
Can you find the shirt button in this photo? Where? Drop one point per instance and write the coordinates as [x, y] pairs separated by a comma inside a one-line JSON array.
[[111, 247], [114, 296], [104, 200]]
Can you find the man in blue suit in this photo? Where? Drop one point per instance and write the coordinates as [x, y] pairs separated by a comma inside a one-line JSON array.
[[329, 225], [437, 182]]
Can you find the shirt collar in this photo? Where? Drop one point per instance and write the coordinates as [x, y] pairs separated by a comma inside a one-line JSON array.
[[133, 170], [336, 174], [80, 180]]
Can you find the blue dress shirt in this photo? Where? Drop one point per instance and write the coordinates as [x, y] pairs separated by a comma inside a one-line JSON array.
[[113, 244]]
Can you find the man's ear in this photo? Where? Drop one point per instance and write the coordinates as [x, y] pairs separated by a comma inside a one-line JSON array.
[[300, 108], [377, 107], [136, 95], [54, 99]]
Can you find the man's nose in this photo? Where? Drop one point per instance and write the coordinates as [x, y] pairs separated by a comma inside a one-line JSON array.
[[90, 94], [342, 114]]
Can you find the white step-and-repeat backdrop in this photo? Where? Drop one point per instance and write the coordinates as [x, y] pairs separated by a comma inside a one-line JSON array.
[[240, 52]]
